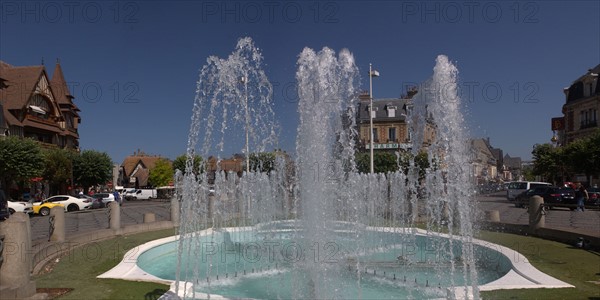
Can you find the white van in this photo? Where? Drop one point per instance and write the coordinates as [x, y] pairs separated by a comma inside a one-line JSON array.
[[140, 194], [517, 187]]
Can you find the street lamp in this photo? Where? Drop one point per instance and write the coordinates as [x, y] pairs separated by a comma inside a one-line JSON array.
[[372, 73], [244, 80]]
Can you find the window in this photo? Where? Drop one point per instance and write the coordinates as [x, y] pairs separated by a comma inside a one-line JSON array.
[[39, 106], [391, 110], [373, 112], [392, 134], [69, 120], [375, 137]]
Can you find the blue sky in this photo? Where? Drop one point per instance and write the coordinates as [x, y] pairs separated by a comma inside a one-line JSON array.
[[133, 66]]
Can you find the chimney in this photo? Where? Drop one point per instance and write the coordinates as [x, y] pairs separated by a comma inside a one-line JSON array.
[[364, 96]]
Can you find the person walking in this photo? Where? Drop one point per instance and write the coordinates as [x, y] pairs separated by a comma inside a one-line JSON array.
[[117, 197], [581, 195]]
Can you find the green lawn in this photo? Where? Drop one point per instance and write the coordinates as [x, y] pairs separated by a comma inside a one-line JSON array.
[[79, 269], [577, 267]]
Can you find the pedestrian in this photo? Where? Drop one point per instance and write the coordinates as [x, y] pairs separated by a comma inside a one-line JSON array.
[[581, 195], [117, 197]]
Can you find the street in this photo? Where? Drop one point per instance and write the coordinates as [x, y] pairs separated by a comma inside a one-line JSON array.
[[557, 218], [132, 212]]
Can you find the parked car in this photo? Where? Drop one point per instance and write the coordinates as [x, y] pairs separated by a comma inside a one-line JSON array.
[[517, 187], [20, 206], [594, 197], [69, 202], [102, 199], [4, 213], [43, 208], [140, 194], [553, 196]]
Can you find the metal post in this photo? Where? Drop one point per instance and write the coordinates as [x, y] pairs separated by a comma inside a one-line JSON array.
[[244, 80], [371, 113]]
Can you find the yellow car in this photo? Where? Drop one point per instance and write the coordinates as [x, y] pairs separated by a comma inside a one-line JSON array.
[[43, 208]]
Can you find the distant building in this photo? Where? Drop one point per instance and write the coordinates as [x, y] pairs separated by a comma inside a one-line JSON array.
[[390, 127], [484, 162], [135, 169], [580, 109], [34, 106], [512, 169]]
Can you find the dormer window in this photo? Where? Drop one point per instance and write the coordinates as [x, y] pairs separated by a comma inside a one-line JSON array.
[[39, 107], [391, 111], [373, 112]]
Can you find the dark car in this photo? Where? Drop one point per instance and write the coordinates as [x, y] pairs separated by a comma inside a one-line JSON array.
[[4, 212], [594, 197], [553, 196], [568, 197]]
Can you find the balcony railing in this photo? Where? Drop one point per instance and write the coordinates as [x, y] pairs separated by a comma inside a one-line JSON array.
[[588, 125]]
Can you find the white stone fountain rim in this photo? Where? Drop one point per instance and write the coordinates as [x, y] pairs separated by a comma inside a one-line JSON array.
[[522, 275]]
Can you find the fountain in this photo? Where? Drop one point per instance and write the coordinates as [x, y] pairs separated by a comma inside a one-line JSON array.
[[321, 229], [342, 225]]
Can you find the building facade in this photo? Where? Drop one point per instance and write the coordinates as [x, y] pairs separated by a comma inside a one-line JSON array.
[[483, 162], [135, 170], [581, 108], [35, 106], [390, 127]]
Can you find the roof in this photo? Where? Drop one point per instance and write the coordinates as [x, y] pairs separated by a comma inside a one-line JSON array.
[[142, 176], [21, 83], [380, 106], [30, 123], [130, 163], [513, 162], [61, 90], [227, 165], [481, 147]]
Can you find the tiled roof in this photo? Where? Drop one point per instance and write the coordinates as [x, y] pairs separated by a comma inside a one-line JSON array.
[[11, 120], [130, 162], [142, 176], [30, 123], [380, 107], [60, 89], [232, 164], [21, 83]]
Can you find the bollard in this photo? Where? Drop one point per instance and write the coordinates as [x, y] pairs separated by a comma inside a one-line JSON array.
[[57, 223], [210, 206], [115, 215], [492, 216], [15, 281], [149, 217], [175, 211], [537, 219]]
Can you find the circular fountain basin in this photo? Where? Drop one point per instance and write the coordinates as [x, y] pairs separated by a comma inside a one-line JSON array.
[[271, 261]]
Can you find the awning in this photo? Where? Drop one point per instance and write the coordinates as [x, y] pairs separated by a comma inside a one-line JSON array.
[[37, 109]]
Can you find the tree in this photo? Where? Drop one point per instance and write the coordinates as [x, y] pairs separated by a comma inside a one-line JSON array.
[[583, 155], [548, 162], [58, 169], [180, 163], [161, 174], [92, 168], [20, 159], [383, 162], [262, 162]]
